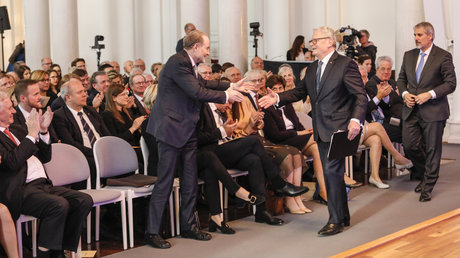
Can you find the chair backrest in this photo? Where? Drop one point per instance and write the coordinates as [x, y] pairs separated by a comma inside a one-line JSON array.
[[145, 154], [113, 157], [68, 165], [305, 120]]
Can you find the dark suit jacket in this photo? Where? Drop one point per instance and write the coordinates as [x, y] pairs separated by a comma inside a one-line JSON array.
[[20, 120], [391, 109], [340, 98], [57, 103], [119, 129], [438, 74], [13, 168], [180, 45], [208, 133], [274, 126], [89, 101], [139, 110], [68, 131], [180, 95]]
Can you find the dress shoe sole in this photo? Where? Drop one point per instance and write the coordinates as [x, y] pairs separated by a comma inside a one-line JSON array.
[[272, 224], [330, 233]]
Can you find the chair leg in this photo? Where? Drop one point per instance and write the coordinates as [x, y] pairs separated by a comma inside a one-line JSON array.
[[34, 238], [123, 222], [19, 237], [221, 193], [176, 207], [88, 229], [171, 214], [97, 223], [129, 201]]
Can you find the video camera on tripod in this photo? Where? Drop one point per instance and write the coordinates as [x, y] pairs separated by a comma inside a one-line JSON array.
[[349, 40], [98, 46]]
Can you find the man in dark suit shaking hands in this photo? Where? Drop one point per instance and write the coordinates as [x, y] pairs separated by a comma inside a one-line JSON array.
[[427, 75], [173, 119], [339, 102]]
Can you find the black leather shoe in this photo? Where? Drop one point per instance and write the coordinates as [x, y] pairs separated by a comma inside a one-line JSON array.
[[156, 241], [418, 188], [319, 199], [255, 199], [346, 222], [425, 197], [291, 190], [355, 185], [266, 217], [57, 254], [195, 233], [43, 254], [331, 229], [224, 228]]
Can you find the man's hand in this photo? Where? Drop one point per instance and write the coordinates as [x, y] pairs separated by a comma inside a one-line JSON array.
[[409, 99], [243, 86], [383, 89], [33, 123], [269, 73], [98, 100], [230, 126], [270, 99], [422, 98], [256, 117], [353, 130], [45, 119], [234, 95]]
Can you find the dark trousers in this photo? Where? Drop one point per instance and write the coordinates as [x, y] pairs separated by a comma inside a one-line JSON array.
[[423, 144], [334, 170], [168, 156], [212, 171], [61, 212]]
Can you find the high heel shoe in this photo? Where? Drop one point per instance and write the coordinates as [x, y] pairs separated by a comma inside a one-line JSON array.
[[255, 199], [404, 166], [299, 211], [379, 185], [319, 199], [225, 229]]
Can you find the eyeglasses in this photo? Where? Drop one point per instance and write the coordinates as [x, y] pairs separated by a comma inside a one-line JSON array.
[[139, 83], [46, 80], [314, 41], [150, 82], [257, 80]]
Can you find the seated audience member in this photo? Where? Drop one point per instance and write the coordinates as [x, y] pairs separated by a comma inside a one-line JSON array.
[[27, 94], [7, 233], [43, 79], [286, 72], [78, 124], [106, 67], [25, 187], [57, 68], [138, 86], [54, 81], [150, 95], [78, 63], [386, 104], [46, 63], [227, 65], [374, 136], [60, 101], [367, 47], [309, 56], [127, 67], [23, 71], [246, 153], [115, 65], [282, 126], [5, 84], [118, 118], [84, 78], [297, 51], [99, 84], [114, 77], [139, 64], [216, 71], [13, 77], [155, 69], [250, 121], [366, 61], [205, 71], [257, 63], [149, 79], [233, 74]]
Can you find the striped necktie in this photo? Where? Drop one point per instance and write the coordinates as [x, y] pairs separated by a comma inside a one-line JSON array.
[[89, 132]]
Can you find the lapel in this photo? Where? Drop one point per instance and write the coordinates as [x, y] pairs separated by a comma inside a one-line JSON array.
[[428, 62], [327, 72], [412, 64], [72, 120], [19, 116], [209, 117], [7, 141]]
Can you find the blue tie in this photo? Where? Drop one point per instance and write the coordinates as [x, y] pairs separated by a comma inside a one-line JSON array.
[[420, 67], [318, 75]]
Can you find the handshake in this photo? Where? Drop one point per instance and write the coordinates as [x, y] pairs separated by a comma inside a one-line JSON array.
[[235, 89]]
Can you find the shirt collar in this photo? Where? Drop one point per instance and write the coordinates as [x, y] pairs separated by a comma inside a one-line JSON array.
[[212, 106], [326, 58], [74, 112], [24, 112], [191, 59], [428, 51]]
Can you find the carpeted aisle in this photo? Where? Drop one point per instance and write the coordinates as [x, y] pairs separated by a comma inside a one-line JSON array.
[[374, 213]]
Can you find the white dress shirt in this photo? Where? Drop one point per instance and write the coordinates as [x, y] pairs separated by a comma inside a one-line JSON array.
[[84, 135]]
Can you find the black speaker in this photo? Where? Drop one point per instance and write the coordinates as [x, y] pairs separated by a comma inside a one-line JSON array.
[[4, 20]]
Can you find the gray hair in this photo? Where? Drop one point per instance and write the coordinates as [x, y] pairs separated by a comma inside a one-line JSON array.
[[427, 27], [327, 32], [382, 59], [202, 65], [284, 68], [64, 90]]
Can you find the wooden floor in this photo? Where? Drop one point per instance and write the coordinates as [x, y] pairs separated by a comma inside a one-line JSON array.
[[437, 237]]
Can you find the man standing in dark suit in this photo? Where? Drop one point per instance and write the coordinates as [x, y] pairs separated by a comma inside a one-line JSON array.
[[427, 76], [339, 102], [25, 187], [172, 121], [70, 121], [189, 27]]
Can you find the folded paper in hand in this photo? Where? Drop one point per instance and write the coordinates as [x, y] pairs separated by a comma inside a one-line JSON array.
[[341, 147]]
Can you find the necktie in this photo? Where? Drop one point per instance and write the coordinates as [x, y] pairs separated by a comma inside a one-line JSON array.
[[87, 129], [318, 75], [195, 68], [8, 133], [257, 102], [420, 66]]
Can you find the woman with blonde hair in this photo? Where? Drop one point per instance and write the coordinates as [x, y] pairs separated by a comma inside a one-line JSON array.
[[43, 79]]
